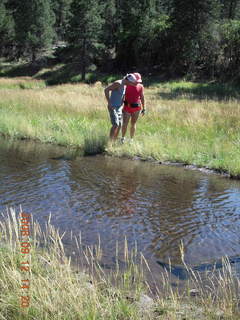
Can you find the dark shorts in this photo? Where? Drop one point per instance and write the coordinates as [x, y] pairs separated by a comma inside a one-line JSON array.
[[116, 116], [131, 110], [131, 107]]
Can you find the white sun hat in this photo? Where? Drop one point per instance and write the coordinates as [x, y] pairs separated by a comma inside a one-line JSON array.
[[131, 77]]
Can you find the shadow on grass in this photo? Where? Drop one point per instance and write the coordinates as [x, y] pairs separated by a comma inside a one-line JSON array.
[[23, 70], [54, 73], [201, 91], [71, 73], [27, 69], [67, 73]]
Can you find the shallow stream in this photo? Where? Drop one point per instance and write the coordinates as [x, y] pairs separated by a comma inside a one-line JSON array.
[[154, 206]]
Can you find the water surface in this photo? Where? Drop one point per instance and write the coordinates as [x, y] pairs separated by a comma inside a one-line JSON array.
[[156, 207]]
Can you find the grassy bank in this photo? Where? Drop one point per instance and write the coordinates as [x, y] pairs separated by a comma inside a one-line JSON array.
[[61, 290], [186, 122]]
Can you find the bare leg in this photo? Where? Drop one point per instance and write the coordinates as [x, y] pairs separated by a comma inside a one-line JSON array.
[[114, 132], [117, 132], [126, 117], [134, 118]]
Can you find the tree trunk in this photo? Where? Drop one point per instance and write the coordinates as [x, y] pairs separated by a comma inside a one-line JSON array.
[[33, 55], [84, 60]]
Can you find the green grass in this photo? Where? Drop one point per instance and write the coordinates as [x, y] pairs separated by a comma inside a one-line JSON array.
[[21, 83], [55, 73], [194, 90], [191, 123]]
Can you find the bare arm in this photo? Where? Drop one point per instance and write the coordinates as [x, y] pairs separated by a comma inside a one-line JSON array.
[[109, 88], [142, 99]]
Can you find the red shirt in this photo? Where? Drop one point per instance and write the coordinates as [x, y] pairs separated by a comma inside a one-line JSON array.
[[133, 93]]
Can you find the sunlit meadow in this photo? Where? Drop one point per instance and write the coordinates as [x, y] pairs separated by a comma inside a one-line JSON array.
[[185, 122]]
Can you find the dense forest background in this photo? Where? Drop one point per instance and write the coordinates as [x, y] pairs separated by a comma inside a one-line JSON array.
[[176, 37]]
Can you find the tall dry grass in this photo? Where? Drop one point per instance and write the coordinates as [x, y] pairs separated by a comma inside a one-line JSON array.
[[180, 126], [60, 289]]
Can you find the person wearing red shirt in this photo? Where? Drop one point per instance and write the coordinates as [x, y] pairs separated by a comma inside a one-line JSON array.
[[133, 104], [114, 94]]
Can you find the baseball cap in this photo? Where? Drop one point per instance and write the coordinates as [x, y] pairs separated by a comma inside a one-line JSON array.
[[138, 77], [131, 77]]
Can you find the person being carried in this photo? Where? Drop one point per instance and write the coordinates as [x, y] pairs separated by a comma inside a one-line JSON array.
[[115, 101], [134, 102]]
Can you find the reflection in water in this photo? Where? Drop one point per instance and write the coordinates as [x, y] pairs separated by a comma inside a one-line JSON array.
[[155, 207]]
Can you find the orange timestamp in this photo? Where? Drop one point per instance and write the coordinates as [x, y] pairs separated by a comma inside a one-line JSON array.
[[25, 247]]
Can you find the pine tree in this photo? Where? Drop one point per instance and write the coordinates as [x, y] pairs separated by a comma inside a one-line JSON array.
[[140, 29], [61, 9], [85, 30], [153, 30], [7, 31], [190, 20], [230, 9], [110, 23], [34, 26], [130, 14]]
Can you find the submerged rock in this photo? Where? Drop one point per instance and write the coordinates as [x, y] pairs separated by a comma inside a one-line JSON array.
[[183, 272]]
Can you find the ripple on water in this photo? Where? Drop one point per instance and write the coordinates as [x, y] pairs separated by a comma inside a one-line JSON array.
[[157, 207]]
